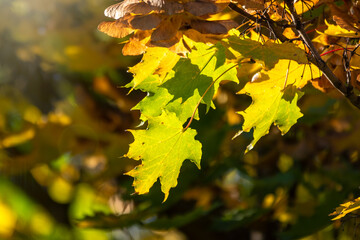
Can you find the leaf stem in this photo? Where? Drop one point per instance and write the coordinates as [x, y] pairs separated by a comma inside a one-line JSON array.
[[287, 75], [274, 27], [334, 50]]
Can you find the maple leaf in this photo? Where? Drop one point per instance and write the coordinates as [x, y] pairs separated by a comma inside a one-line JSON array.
[[274, 98], [163, 23], [185, 85], [162, 147], [157, 61], [268, 53], [204, 68], [156, 100]]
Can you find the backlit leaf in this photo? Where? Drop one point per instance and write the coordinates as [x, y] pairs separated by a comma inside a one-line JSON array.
[[274, 98], [114, 29], [162, 147], [337, 31], [204, 66], [268, 53], [155, 60]]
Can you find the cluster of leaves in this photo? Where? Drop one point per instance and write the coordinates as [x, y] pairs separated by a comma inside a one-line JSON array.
[[164, 23], [63, 120], [279, 66]]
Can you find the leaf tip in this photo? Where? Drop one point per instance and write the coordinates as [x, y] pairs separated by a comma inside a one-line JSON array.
[[249, 147], [237, 134], [166, 197]]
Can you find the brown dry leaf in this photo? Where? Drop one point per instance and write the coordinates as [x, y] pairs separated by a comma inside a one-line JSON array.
[[166, 30], [343, 19], [166, 42], [166, 21], [117, 10], [157, 3], [145, 22], [200, 8], [115, 29], [340, 73], [142, 8], [172, 8], [322, 84], [204, 27], [355, 11], [141, 35], [121, 9]]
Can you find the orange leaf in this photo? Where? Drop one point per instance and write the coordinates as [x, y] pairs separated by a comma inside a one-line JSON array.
[[133, 48], [114, 29]]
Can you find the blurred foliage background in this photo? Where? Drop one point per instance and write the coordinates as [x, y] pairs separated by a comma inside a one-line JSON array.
[[63, 116]]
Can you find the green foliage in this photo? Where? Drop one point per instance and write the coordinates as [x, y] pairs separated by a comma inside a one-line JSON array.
[[65, 120], [162, 147], [196, 79]]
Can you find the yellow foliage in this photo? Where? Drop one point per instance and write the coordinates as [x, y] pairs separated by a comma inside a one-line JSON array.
[[17, 139], [337, 31], [7, 221], [61, 190], [346, 208], [41, 223]]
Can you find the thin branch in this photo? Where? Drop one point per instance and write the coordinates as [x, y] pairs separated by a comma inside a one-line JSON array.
[[316, 59], [276, 30], [273, 26], [334, 50], [244, 13]]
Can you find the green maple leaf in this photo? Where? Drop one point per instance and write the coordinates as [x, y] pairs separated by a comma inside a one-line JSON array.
[[204, 68], [267, 53], [274, 98], [155, 101], [158, 100], [271, 106], [184, 86], [162, 147], [157, 61]]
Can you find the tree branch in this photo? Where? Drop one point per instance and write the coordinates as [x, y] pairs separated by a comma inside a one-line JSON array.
[[272, 25], [316, 59]]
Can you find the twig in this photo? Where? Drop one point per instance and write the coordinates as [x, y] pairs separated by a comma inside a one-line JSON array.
[[347, 91], [273, 26]]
